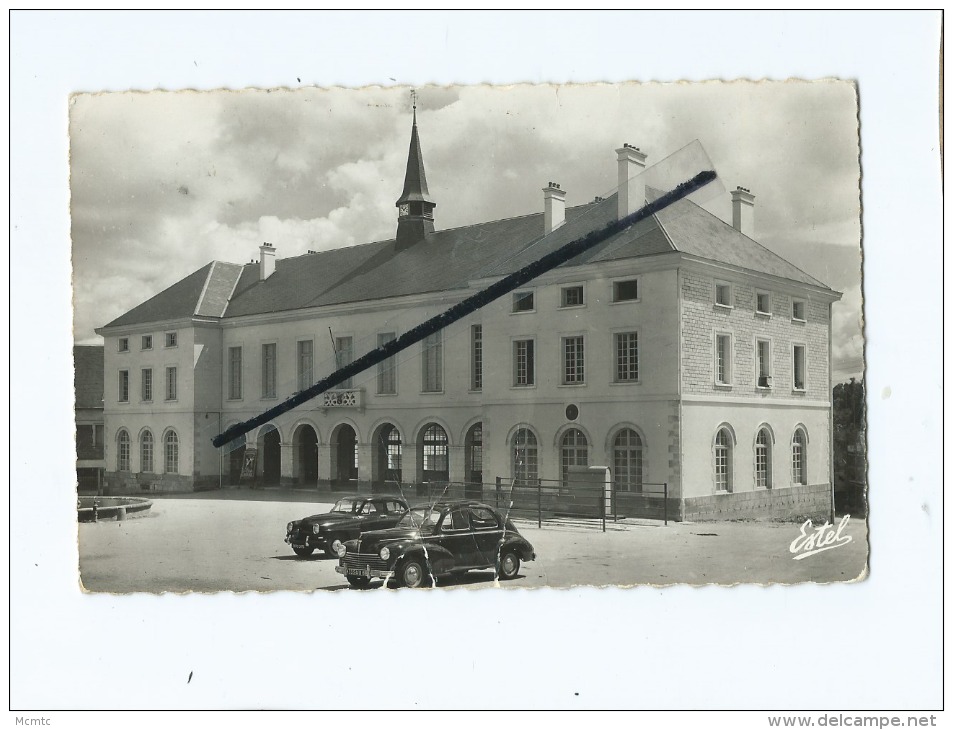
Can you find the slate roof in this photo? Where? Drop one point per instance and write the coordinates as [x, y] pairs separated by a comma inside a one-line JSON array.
[[88, 375], [449, 259], [203, 293]]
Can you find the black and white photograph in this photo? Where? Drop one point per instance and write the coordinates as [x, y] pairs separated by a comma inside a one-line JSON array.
[[402, 352], [596, 423]]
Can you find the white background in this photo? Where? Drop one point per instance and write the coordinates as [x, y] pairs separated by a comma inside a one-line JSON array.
[[872, 645]]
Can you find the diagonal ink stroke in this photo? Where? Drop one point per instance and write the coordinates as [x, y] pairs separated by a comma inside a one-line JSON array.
[[467, 306]]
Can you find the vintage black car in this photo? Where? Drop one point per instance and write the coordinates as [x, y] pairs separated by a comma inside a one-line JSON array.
[[433, 541], [348, 518]]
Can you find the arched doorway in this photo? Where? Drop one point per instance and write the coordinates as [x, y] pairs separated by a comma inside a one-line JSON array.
[[235, 450], [433, 450], [388, 456], [269, 455], [473, 461], [344, 453], [306, 455]]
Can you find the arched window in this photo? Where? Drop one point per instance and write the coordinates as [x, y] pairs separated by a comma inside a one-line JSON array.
[[525, 458], [145, 452], [723, 482], [573, 452], [122, 450], [762, 460], [171, 453], [395, 451], [436, 465], [627, 461], [799, 458]]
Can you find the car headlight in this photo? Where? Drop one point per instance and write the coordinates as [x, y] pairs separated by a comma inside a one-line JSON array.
[[316, 529], [385, 553], [339, 548], [291, 526]]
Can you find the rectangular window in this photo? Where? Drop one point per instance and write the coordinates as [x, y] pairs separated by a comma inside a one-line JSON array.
[[171, 383], [523, 301], [98, 434], [574, 365], [123, 386], [146, 384], [797, 310], [269, 370], [171, 339], [723, 359], [147, 342], [123, 344], [627, 357], [764, 363], [625, 291], [572, 296], [343, 356], [524, 363], [386, 370], [763, 302], [433, 363], [723, 295], [305, 364], [476, 357], [800, 369], [234, 373]]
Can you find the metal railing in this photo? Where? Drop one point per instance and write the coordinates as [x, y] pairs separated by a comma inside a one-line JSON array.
[[540, 500]]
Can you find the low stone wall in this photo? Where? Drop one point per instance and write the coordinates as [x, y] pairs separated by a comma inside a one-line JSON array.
[[813, 501], [130, 483]]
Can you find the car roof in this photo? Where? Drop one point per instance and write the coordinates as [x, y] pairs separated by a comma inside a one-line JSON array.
[[369, 496], [445, 503]]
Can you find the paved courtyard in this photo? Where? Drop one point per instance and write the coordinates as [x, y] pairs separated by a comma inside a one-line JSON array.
[[234, 541]]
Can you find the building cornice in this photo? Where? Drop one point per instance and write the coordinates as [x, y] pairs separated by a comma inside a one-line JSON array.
[[777, 283]]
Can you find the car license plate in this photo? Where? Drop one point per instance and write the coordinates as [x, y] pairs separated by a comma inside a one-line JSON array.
[[365, 571]]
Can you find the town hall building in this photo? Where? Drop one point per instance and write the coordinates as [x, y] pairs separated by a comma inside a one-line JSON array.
[[679, 351]]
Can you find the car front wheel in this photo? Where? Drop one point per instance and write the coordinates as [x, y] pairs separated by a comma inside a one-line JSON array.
[[413, 574], [303, 551], [509, 566]]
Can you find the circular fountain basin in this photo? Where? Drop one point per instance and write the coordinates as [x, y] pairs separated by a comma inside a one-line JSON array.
[[90, 509]]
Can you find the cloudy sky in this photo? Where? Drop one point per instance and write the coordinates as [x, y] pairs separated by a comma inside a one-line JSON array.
[[162, 183]]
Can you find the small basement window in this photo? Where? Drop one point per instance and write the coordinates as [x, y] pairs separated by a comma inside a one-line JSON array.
[[523, 301], [625, 291], [572, 296], [723, 295]]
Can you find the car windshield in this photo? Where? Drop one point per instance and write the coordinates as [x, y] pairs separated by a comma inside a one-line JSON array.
[[347, 505], [419, 517]]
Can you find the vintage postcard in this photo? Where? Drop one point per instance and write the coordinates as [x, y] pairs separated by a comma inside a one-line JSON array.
[[525, 336]]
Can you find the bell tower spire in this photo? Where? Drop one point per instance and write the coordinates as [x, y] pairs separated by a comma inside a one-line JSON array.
[[415, 219]]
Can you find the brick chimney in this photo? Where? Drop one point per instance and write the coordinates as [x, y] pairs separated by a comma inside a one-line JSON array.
[[266, 264], [631, 186], [742, 210], [554, 207]]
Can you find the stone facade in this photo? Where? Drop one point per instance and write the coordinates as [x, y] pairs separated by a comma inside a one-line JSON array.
[[812, 501]]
